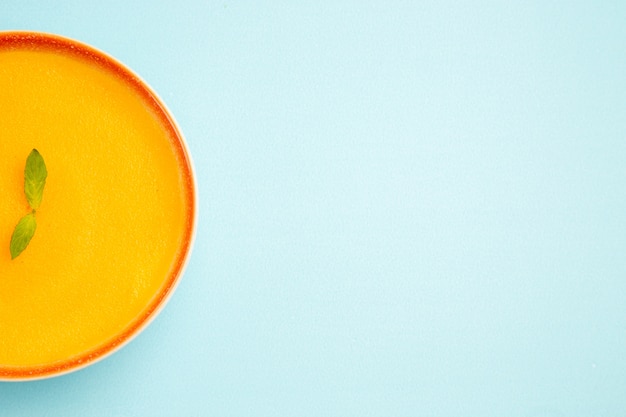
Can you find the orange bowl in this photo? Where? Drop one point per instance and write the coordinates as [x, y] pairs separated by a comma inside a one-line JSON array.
[[117, 222]]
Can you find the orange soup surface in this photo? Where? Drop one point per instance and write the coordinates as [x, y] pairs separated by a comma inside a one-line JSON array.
[[114, 225]]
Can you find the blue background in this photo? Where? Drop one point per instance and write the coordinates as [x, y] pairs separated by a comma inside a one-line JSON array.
[[407, 208]]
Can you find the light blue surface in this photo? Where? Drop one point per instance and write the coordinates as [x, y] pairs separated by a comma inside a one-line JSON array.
[[406, 209]]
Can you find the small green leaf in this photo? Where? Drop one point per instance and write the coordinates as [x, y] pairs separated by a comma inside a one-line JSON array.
[[35, 174], [23, 233]]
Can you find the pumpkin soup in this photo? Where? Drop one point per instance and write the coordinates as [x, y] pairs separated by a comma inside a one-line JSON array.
[[115, 225]]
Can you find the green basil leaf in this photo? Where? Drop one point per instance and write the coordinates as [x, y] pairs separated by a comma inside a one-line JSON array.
[[23, 233], [35, 174]]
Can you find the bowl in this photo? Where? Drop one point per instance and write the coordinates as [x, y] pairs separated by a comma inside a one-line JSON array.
[[117, 219]]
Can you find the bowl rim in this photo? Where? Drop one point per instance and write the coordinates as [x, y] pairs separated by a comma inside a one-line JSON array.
[[162, 297]]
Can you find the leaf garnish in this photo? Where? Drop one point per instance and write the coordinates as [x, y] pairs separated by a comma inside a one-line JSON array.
[[23, 233], [35, 174]]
